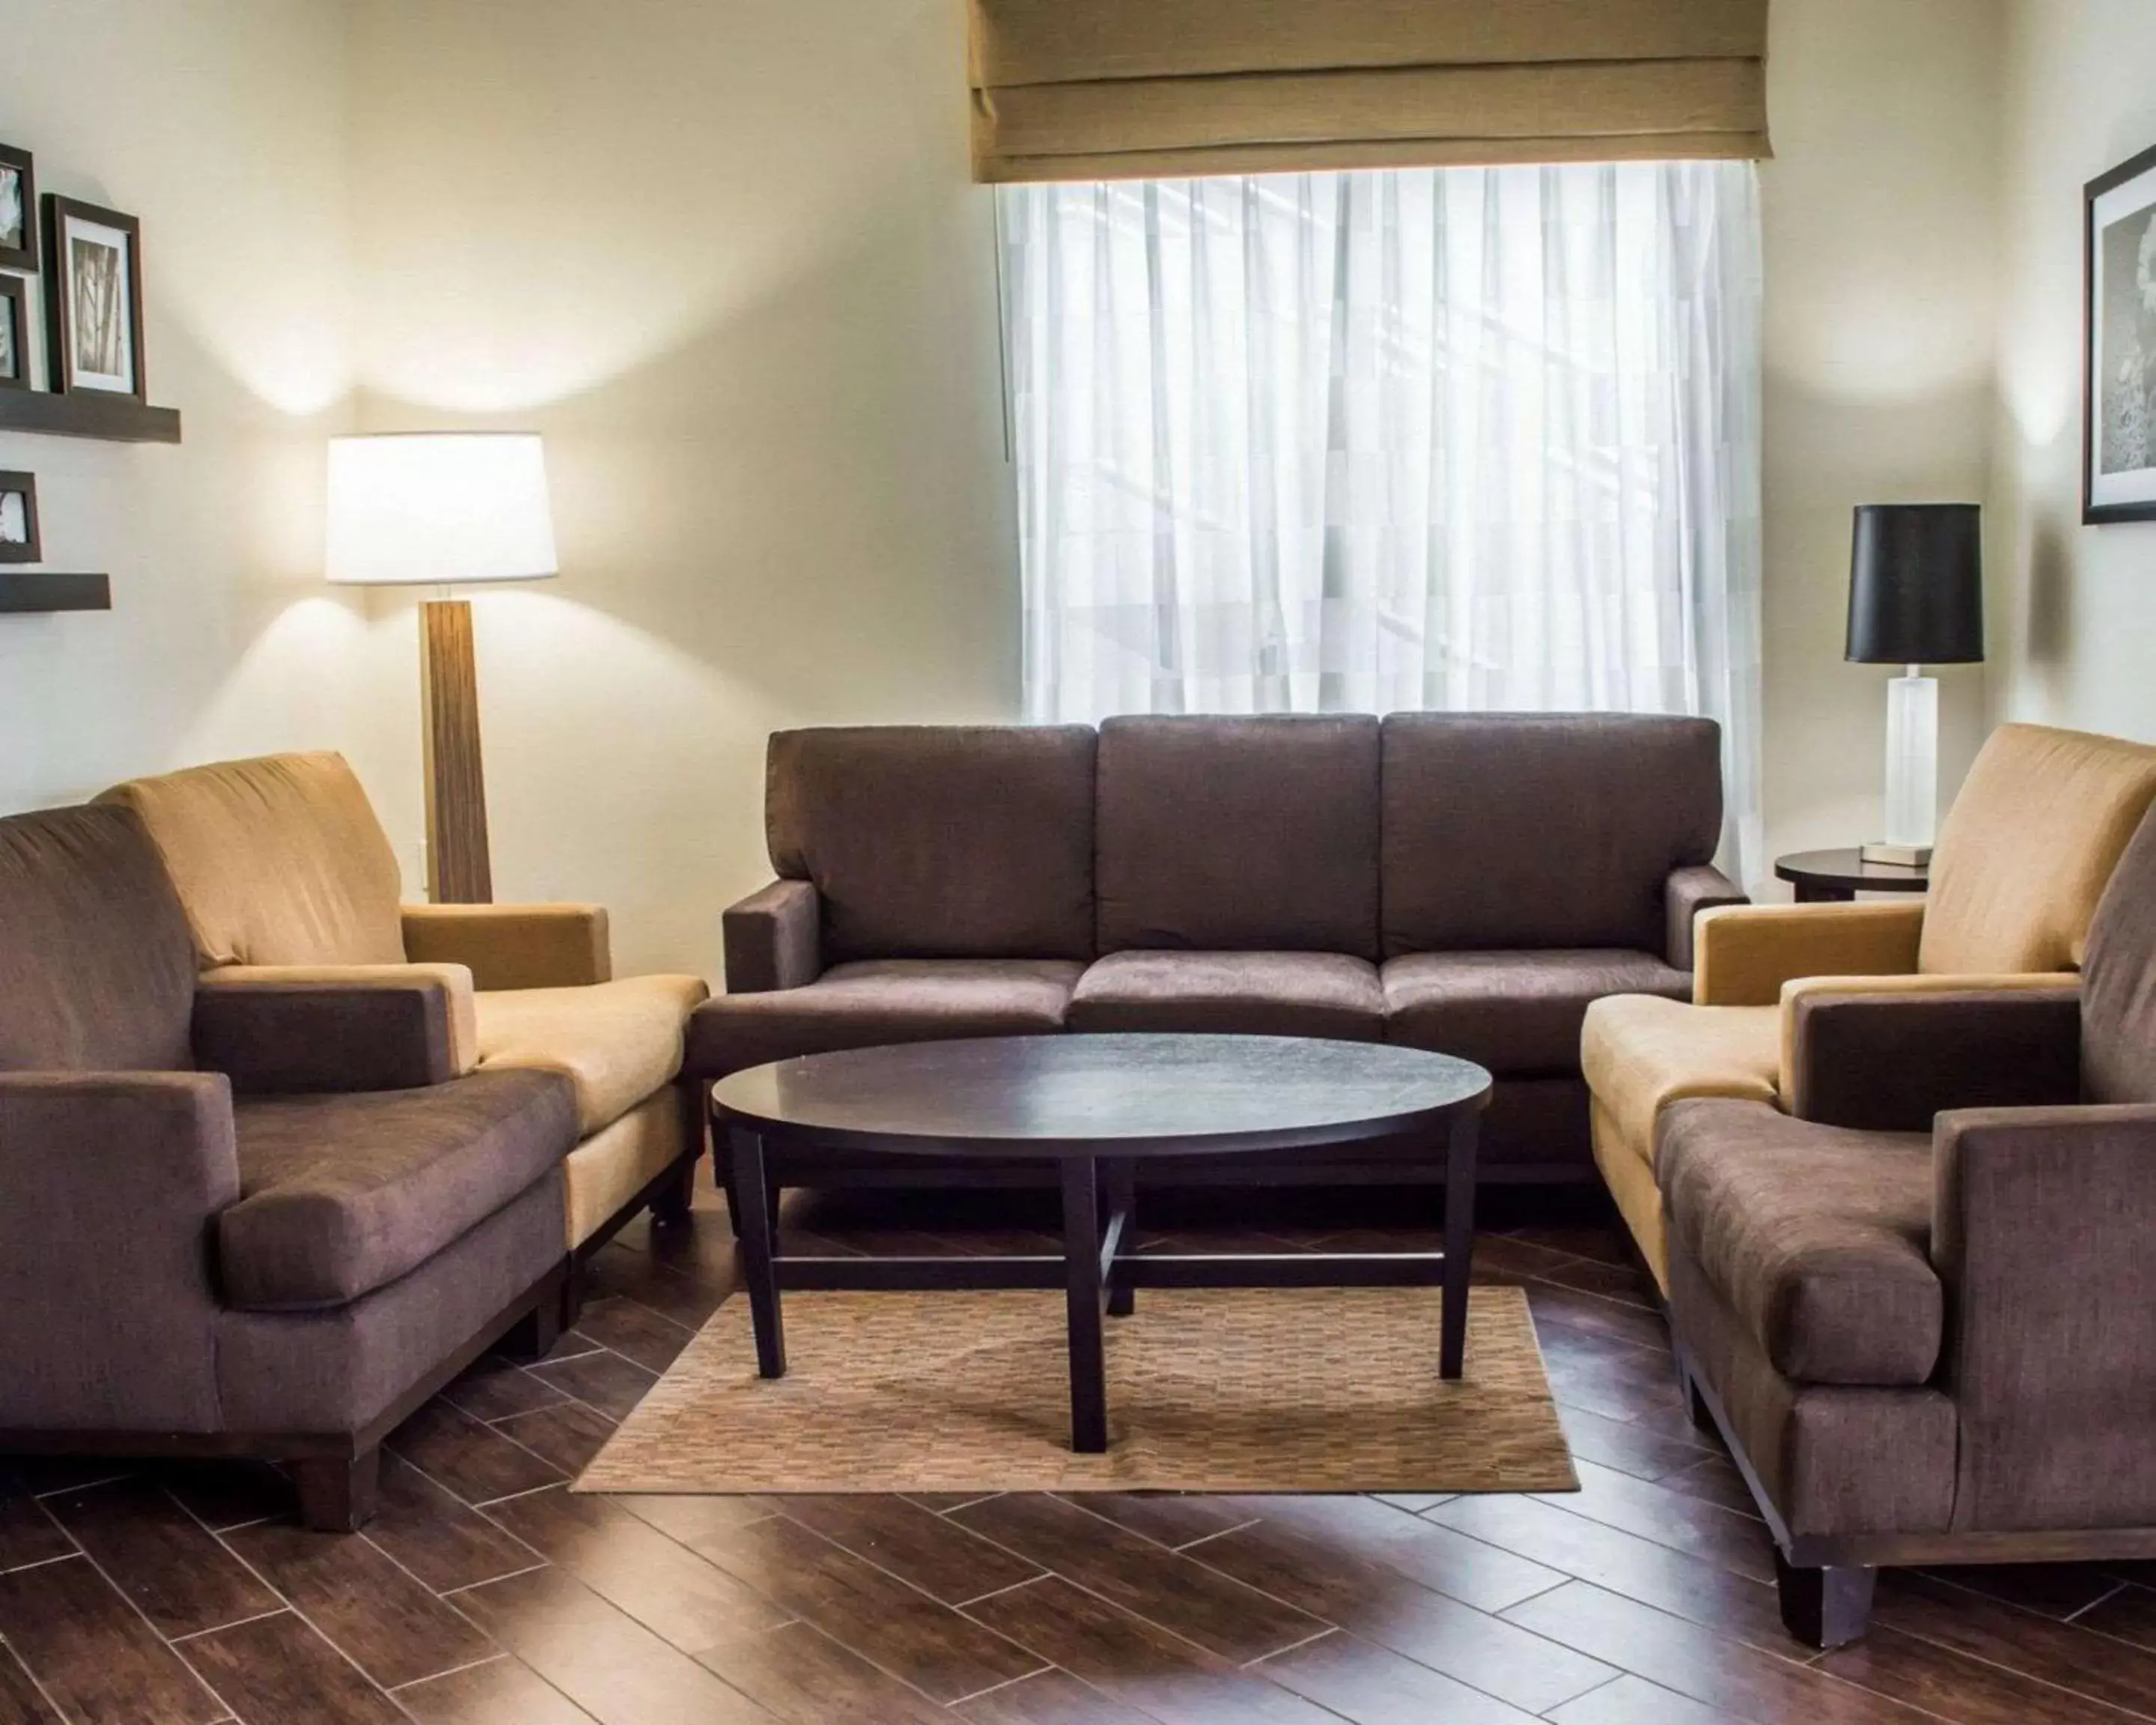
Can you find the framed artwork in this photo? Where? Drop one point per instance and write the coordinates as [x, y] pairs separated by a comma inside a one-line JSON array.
[[2119, 457], [19, 210], [93, 299], [14, 334], [18, 518]]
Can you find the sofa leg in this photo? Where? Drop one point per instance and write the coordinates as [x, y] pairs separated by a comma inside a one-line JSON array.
[[1702, 1416], [337, 1493], [1829, 1606], [535, 1334], [671, 1207], [571, 1305]]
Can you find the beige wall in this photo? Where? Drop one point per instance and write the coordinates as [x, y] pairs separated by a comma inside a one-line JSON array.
[[2073, 611], [725, 255], [763, 353], [1881, 219], [220, 124]]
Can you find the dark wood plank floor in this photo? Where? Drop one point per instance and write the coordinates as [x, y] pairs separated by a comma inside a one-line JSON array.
[[485, 1594]]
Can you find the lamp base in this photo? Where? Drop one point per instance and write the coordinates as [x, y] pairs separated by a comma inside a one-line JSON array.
[[1899, 856]]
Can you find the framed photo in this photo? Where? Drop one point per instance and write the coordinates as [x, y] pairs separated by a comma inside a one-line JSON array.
[[19, 210], [18, 518], [2118, 459], [14, 333], [93, 299]]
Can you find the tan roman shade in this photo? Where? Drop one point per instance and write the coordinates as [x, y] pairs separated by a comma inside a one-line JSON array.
[[1093, 90]]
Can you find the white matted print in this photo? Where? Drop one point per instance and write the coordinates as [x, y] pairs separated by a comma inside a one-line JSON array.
[[18, 518], [101, 352], [19, 209], [2120, 483], [14, 209], [14, 333]]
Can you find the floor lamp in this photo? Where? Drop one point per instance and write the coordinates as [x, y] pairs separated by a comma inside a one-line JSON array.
[[1915, 598], [440, 508]]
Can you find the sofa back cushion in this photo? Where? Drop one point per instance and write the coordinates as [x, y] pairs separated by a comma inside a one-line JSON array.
[[2028, 847], [96, 970], [278, 860], [1521, 830], [2118, 982], [1239, 833], [948, 841]]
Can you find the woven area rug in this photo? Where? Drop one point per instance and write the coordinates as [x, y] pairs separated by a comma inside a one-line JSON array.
[[1244, 1390]]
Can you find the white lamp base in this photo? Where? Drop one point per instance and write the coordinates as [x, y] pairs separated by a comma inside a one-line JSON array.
[[1912, 771]]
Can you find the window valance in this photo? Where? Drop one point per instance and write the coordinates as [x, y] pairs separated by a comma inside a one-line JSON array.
[[1098, 89]]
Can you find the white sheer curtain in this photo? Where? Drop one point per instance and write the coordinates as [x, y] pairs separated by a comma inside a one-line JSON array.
[[1460, 437]]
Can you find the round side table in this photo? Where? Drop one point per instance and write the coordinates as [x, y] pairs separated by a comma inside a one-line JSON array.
[[1837, 876]]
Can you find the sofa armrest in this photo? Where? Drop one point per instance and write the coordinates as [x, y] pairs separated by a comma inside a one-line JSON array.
[[2040, 1230], [774, 938], [1743, 953], [1689, 891], [1918, 985], [113, 1184], [1892, 1060], [513, 946], [287, 1027]]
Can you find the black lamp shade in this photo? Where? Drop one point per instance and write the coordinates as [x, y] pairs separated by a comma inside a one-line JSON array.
[[1916, 585]]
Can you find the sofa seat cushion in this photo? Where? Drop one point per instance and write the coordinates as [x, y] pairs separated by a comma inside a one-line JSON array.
[[1817, 1238], [1639, 1052], [619, 1042], [881, 1000], [1517, 1013], [342, 1194], [1327, 995]]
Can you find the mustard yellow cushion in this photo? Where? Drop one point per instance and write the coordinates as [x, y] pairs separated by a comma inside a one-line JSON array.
[[278, 860], [2029, 847], [1639, 1052], [617, 1162], [618, 1041]]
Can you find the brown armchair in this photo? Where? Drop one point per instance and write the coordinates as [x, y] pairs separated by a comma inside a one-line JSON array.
[[2022, 860], [292, 891], [1921, 1304], [263, 1221]]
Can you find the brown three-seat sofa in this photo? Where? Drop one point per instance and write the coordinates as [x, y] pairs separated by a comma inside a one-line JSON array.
[[1462, 882]]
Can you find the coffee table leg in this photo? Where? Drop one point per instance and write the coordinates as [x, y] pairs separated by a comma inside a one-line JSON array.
[[1122, 1190], [756, 1250], [1081, 1271], [1458, 1243]]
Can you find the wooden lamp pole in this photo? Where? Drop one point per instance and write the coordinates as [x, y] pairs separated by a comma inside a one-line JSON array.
[[436, 509], [458, 868]]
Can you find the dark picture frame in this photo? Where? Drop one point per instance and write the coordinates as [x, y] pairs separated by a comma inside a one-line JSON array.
[[83, 314], [14, 333], [19, 209], [29, 549], [2119, 349]]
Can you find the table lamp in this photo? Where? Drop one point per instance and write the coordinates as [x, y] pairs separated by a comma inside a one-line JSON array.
[[1915, 598], [439, 509]]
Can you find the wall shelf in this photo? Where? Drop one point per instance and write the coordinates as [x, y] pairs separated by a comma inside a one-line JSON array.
[[25, 592], [86, 413]]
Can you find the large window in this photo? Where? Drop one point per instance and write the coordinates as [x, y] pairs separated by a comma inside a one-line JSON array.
[[1460, 438]]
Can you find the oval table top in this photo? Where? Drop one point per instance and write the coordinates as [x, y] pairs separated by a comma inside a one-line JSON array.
[[1131, 1095]]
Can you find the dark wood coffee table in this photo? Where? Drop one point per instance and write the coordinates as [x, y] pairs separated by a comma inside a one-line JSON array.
[[1099, 1105]]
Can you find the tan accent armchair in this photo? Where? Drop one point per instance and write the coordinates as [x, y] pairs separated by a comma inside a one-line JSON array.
[[290, 885], [2023, 857]]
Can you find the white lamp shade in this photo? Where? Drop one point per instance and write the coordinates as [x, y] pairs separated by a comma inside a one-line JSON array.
[[433, 508]]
